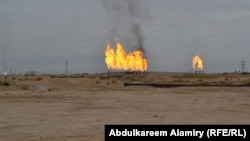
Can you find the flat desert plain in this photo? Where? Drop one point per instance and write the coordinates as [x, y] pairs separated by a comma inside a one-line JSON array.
[[59, 108]]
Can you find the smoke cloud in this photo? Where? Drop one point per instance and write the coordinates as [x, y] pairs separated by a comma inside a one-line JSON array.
[[125, 18]]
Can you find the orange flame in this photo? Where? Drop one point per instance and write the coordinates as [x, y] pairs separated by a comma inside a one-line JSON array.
[[197, 63], [120, 60]]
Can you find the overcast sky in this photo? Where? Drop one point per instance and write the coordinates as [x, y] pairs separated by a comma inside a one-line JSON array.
[[40, 35]]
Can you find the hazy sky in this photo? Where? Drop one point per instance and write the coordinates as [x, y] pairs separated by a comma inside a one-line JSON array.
[[39, 35]]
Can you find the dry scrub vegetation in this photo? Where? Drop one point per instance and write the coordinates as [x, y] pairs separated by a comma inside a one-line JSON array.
[[38, 108], [102, 80]]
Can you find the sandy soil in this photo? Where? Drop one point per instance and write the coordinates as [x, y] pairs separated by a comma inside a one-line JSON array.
[[40, 108]]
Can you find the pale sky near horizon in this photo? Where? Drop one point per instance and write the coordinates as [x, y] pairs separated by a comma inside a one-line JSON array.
[[39, 35]]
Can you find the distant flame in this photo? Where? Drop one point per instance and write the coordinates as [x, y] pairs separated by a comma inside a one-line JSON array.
[[197, 63], [120, 60]]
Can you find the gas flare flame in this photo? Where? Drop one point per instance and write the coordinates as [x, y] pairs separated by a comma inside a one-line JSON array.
[[121, 60], [197, 63]]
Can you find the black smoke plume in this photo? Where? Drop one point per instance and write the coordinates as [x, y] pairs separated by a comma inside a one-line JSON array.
[[125, 18]]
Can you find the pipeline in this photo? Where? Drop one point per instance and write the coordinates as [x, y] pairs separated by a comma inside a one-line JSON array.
[[180, 85]]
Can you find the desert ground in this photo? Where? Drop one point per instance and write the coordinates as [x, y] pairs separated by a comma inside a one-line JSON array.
[[76, 108]]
